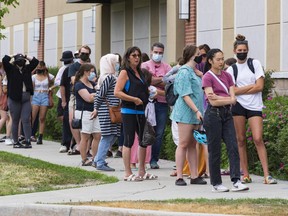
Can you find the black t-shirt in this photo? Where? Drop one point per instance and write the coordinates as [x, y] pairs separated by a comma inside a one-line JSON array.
[[65, 81], [80, 102]]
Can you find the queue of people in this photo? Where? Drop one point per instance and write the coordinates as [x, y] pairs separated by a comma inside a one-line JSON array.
[[209, 97]]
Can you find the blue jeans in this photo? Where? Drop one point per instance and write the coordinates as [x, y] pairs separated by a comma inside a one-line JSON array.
[[218, 123], [104, 145], [161, 111]]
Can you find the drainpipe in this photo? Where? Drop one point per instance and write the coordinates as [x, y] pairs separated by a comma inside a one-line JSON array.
[[41, 15]]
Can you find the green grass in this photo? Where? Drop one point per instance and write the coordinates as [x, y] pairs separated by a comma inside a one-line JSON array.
[[19, 174]]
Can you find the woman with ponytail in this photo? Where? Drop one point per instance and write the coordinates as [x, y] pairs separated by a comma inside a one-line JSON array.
[[249, 83]]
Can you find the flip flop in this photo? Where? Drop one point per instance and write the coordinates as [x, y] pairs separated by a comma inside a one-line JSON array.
[[133, 178], [149, 176]]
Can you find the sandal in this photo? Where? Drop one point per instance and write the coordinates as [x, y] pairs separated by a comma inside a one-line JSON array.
[[133, 178], [73, 152], [87, 162], [149, 176]]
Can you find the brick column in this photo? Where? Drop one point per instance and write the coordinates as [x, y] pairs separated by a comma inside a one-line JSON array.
[[190, 25], [41, 15]]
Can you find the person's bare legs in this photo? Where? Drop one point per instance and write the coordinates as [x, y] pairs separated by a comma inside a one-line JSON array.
[[83, 145], [256, 125], [240, 127], [95, 143], [75, 132], [126, 152], [186, 145], [141, 158]]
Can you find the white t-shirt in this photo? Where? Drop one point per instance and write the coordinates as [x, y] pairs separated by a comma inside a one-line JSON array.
[[247, 77], [41, 85]]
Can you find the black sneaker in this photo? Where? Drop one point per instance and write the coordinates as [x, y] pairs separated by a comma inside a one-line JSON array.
[[3, 139], [198, 180], [118, 154], [180, 182], [39, 141], [27, 145], [109, 154], [21, 138], [18, 145]]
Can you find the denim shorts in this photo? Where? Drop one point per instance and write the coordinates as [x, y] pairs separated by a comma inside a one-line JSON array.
[[40, 99]]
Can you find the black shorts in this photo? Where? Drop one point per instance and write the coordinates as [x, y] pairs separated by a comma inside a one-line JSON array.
[[239, 110]]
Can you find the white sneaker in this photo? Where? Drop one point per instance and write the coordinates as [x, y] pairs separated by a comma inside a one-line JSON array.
[[238, 186], [8, 141], [219, 188], [63, 149]]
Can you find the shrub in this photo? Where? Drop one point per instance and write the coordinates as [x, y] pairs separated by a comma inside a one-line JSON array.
[[53, 127], [275, 117]]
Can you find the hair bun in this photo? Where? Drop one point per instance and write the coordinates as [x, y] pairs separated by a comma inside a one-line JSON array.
[[240, 37]]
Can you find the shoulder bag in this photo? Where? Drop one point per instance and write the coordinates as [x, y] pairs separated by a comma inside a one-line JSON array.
[[114, 112]]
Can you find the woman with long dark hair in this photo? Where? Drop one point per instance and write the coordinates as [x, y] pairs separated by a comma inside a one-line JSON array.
[[218, 122], [84, 90], [132, 89]]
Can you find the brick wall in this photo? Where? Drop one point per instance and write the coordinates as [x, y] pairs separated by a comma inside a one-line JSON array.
[[41, 15], [190, 25]]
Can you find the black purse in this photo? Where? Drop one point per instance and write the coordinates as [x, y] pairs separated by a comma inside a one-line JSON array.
[[77, 123]]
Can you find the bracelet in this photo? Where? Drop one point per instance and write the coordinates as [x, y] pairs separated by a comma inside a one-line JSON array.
[[196, 111]]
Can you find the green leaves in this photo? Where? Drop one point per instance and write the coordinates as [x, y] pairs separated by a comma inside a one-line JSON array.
[[4, 10]]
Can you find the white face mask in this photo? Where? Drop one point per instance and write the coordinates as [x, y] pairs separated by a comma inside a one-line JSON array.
[[157, 57], [117, 67]]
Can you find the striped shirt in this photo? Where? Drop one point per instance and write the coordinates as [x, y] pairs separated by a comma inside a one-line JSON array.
[[106, 92]]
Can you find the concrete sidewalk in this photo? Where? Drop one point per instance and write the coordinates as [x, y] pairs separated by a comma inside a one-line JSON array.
[[162, 189]]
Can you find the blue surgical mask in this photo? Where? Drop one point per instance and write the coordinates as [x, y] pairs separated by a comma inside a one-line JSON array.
[[91, 76], [157, 57], [117, 67]]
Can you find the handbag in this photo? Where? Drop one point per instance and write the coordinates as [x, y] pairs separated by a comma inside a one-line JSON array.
[[77, 123], [4, 102], [115, 113]]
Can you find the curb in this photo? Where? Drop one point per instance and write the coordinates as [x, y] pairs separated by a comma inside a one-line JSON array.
[[70, 210]]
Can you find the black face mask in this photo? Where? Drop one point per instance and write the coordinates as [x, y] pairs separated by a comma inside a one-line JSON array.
[[241, 56], [198, 59], [84, 56], [20, 63], [40, 71]]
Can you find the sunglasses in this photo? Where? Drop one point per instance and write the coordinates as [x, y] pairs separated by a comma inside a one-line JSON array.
[[204, 55], [136, 55]]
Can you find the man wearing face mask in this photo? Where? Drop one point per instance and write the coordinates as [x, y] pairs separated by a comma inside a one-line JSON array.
[[19, 90], [84, 57], [158, 69]]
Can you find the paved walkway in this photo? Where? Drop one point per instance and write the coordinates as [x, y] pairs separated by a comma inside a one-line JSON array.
[[162, 189]]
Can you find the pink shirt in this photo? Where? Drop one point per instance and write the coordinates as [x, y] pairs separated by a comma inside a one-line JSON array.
[[157, 70], [209, 81]]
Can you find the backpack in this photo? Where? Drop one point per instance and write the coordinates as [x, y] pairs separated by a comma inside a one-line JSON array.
[[250, 65], [169, 94]]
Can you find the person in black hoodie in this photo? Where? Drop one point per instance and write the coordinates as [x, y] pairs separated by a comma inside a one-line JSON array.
[[19, 90]]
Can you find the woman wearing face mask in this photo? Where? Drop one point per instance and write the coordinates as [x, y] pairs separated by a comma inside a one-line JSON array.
[[20, 88], [109, 67], [42, 80], [84, 90], [249, 87], [187, 112]]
